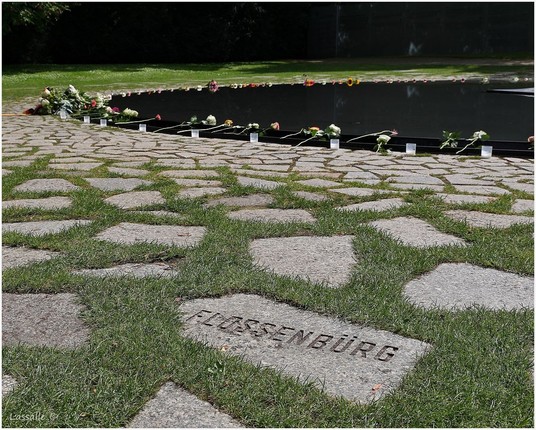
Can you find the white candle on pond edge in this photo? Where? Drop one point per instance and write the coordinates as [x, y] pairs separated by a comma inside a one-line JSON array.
[[411, 148], [142, 127], [195, 133], [87, 119], [103, 122], [334, 143], [254, 137], [486, 151]]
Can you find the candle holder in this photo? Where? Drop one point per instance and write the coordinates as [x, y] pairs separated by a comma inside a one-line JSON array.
[[411, 148], [142, 127], [195, 133], [253, 137], [63, 114], [334, 143], [486, 151], [103, 122], [87, 119]]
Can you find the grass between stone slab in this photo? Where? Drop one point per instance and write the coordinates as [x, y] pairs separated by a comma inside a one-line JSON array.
[[478, 374]]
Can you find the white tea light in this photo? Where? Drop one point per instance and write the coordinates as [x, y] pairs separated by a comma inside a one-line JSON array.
[[142, 127], [254, 137], [195, 133], [103, 122], [334, 143], [411, 148], [63, 114], [486, 151], [87, 119]]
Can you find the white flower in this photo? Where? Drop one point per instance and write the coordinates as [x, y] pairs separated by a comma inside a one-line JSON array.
[[72, 89], [44, 102], [480, 135], [46, 93], [211, 120], [109, 109], [383, 139], [333, 131], [253, 125], [234, 86], [130, 112], [199, 88]]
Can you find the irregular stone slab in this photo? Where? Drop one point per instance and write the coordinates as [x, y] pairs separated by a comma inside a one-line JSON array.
[[462, 285], [50, 203], [193, 193], [43, 320], [460, 179], [127, 171], [314, 197], [464, 198], [358, 192], [417, 179], [43, 185], [136, 199], [273, 215], [17, 256], [417, 187], [319, 183], [258, 183], [376, 206], [6, 172], [173, 407], [136, 270], [522, 205], [197, 182], [357, 362], [482, 219], [8, 384], [117, 184], [482, 190], [521, 186], [41, 228], [174, 235], [159, 213], [190, 173], [326, 260], [75, 166], [245, 201], [415, 232]]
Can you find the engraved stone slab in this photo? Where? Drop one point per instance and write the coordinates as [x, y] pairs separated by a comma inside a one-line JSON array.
[[357, 362], [8, 384], [461, 285], [245, 201], [415, 232], [326, 260], [173, 235], [273, 215], [117, 184], [40, 228], [42, 320], [136, 199], [154, 270], [482, 219], [17, 256], [50, 203], [173, 407], [258, 183], [376, 206], [42, 185]]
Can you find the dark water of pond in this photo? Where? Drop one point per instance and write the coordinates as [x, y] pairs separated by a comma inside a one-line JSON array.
[[416, 109]]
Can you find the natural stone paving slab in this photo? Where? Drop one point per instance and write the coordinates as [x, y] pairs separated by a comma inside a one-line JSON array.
[[245, 201], [197, 182], [482, 219], [159, 213], [314, 197], [41, 228], [376, 206], [43, 185], [128, 171], [8, 384], [201, 192], [75, 166], [190, 173], [131, 233], [481, 190], [258, 183], [136, 270], [273, 215], [136, 199], [415, 232], [522, 205], [173, 407], [463, 198], [326, 260], [42, 320], [117, 184], [416, 179], [319, 183], [50, 203], [6, 172], [521, 186], [416, 187], [462, 285], [358, 192], [356, 362], [15, 256]]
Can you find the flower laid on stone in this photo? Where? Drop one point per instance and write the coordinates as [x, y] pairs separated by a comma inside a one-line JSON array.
[[451, 139], [382, 141], [275, 126], [70, 101], [309, 83], [376, 134], [213, 86], [211, 120], [332, 131]]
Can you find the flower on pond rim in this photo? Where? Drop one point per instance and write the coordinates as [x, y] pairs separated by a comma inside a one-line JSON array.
[[275, 126], [234, 86], [253, 126], [228, 122], [309, 83], [333, 131], [213, 86], [349, 82], [211, 120], [158, 117], [131, 113]]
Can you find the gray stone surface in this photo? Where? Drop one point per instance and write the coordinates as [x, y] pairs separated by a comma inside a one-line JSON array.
[[136, 270], [319, 183], [327, 260], [159, 213], [314, 197], [8, 384], [201, 192], [17, 256], [482, 219], [481, 190], [130, 233], [75, 166], [415, 232], [190, 173], [358, 192], [197, 182], [258, 183], [117, 184], [376, 206], [272, 215], [174, 407], [40, 228], [127, 171], [464, 198], [136, 199], [244, 201], [357, 362], [50, 203], [43, 320], [462, 285], [522, 205], [43, 185]]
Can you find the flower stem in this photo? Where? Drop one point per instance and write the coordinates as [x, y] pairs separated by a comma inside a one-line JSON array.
[[467, 146], [135, 122], [293, 134], [371, 134], [306, 140]]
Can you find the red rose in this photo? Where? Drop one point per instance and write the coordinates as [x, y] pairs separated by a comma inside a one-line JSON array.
[[158, 117], [93, 103]]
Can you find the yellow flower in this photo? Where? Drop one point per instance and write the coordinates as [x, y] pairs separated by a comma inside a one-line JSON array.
[[349, 82], [228, 122]]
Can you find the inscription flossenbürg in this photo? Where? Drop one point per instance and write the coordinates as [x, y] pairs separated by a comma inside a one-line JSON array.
[[237, 325]]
